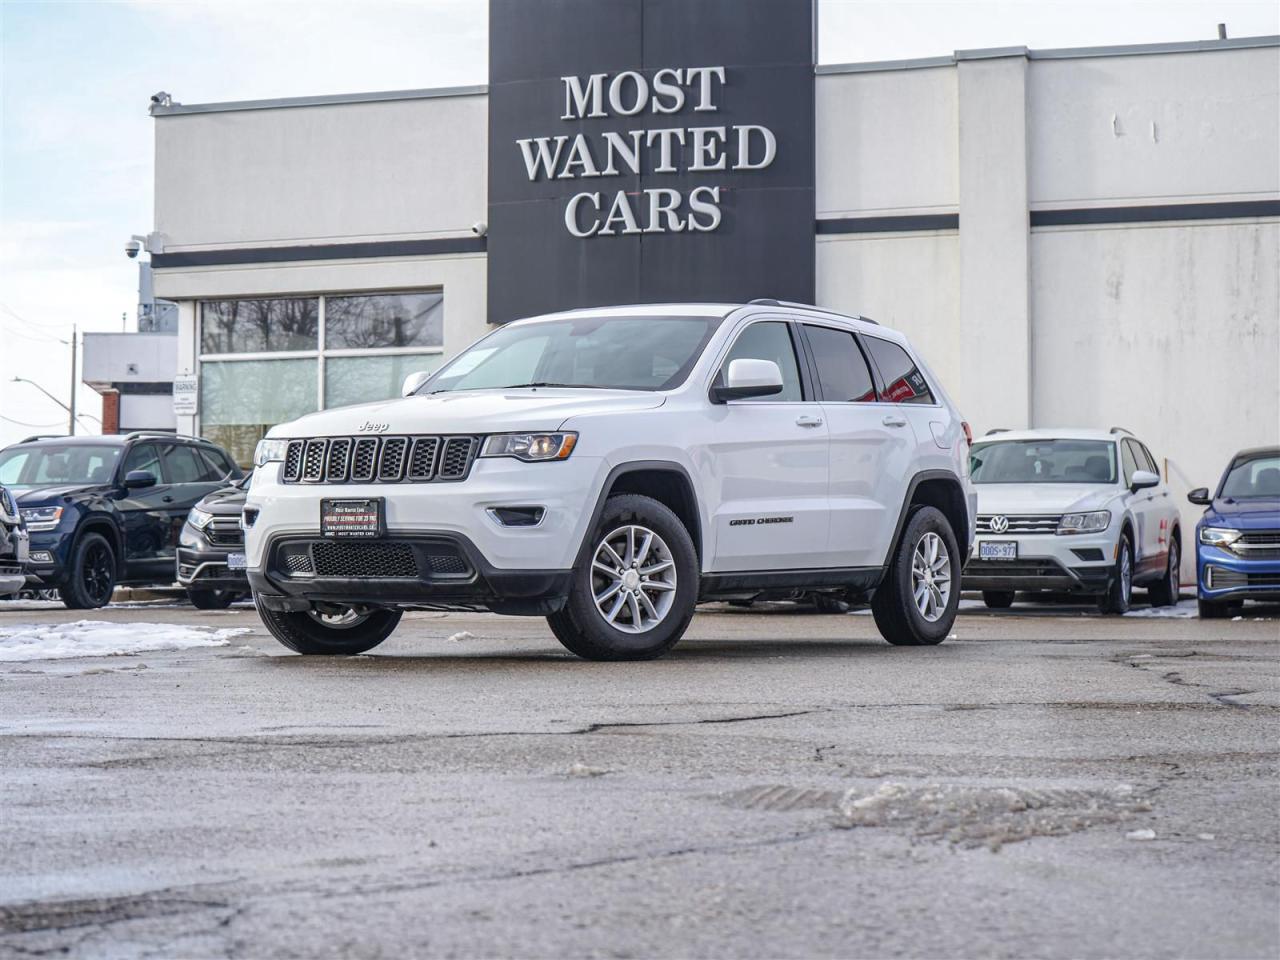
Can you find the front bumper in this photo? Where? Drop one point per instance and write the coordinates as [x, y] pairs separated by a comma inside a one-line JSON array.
[[1224, 575], [13, 559], [1063, 564], [420, 570], [207, 569]]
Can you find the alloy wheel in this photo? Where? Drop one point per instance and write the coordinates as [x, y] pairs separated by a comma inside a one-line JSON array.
[[1126, 573], [340, 620], [633, 579], [98, 573], [931, 577]]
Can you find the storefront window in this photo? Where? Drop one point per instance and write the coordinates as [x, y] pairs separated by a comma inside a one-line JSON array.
[[240, 400], [384, 320], [343, 349], [259, 326], [350, 380]]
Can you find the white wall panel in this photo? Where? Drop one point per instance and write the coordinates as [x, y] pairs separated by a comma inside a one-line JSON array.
[[886, 142]]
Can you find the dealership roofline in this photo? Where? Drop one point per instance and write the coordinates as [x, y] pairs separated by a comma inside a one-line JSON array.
[[1065, 53]]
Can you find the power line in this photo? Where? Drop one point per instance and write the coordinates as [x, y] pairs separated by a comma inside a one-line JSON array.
[[23, 423], [44, 328], [26, 336]]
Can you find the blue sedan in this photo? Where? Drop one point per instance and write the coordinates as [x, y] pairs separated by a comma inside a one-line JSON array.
[[1238, 538]]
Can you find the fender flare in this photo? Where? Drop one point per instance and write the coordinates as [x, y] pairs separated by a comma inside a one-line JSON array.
[[912, 486], [94, 521], [634, 466]]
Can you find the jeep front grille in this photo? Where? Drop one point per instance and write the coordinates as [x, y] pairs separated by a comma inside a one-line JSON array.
[[1019, 523], [379, 459]]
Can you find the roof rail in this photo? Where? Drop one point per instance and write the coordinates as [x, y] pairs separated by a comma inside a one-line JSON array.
[[770, 302], [42, 436], [1115, 430], [995, 431], [165, 434]]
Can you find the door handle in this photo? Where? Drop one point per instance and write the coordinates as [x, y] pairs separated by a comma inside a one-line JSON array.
[[167, 499], [893, 420], [808, 421]]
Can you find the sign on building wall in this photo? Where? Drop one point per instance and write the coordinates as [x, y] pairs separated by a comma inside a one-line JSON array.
[[186, 394], [649, 150]]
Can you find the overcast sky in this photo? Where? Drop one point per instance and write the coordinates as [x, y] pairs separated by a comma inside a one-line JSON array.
[[76, 140]]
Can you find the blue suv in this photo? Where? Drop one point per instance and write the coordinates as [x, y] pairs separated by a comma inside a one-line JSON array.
[[108, 510], [1238, 538]]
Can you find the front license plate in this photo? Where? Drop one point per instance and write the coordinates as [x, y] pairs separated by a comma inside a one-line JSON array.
[[998, 550], [237, 561], [352, 518]]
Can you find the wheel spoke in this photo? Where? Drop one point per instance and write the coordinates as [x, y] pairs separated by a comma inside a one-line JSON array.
[[648, 605], [613, 554], [656, 568], [612, 615], [604, 568], [613, 588], [631, 545], [644, 548], [659, 585], [634, 604]]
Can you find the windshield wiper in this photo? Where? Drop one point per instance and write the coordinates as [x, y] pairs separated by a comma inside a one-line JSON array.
[[549, 383]]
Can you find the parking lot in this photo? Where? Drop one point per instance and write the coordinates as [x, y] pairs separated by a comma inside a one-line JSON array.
[[1047, 782]]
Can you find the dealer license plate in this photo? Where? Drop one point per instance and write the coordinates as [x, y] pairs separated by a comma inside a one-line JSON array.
[[352, 518], [237, 561], [998, 550]]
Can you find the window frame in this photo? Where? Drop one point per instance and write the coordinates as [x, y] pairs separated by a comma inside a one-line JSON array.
[[808, 387], [123, 472]]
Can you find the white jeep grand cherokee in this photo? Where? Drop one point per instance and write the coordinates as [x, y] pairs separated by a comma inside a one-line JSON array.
[[609, 469]]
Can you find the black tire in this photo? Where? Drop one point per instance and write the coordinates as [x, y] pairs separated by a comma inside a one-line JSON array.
[[91, 574], [1119, 593], [998, 599], [1210, 610], [1164, 593], [900, 620], [584, 629], [303, 633], [211, 599]]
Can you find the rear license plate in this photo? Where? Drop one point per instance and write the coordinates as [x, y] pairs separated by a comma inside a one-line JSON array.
[[352, 518], [998, 550], [237, 561]]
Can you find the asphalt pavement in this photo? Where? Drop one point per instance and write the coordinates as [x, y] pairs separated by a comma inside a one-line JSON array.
[[784, 784]]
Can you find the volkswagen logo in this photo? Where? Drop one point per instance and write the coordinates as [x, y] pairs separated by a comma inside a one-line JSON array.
[[999, 524]]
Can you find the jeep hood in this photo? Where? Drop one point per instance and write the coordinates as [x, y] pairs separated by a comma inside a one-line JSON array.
[[1042, 498], [468, 411]]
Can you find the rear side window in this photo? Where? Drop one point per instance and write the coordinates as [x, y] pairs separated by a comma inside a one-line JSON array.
[[842, 370], [768, 340], [219, 465], [902, 381], [184, 466]]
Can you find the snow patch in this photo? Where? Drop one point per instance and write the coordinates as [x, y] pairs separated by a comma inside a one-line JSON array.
[[1182, 611], [461, 637], [97, 638]]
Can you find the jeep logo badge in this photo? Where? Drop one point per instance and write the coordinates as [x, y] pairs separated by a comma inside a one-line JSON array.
[[370, 427], [999, 524]]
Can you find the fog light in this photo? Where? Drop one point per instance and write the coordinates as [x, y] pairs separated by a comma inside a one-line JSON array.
[[41, 556], [517, 516]]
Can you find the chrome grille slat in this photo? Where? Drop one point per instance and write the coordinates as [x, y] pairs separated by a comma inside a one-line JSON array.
[[1020, 523], [401, 459]]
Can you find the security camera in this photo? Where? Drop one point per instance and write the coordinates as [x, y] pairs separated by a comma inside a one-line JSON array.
[[162, 99], [479, 228], [132, 248]]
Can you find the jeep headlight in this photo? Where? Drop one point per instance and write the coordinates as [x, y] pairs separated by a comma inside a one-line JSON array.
[[1093, 522], [530, 447], [269, 451], [199, 518], [40, 519], [1212, 536]]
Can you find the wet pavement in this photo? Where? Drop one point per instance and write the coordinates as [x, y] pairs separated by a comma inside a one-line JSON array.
[[783, 784]]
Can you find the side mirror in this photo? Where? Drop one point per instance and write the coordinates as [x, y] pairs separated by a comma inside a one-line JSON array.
[[137, 479], [413, 381], [1142, 479], [1200, 496], [749, 378]]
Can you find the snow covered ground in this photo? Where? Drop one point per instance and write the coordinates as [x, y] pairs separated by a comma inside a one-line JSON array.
[[97, 638], [1184, 609]]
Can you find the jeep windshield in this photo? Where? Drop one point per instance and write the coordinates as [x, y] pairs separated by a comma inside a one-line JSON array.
[[1043, 461], [58, 464], [601, 353]]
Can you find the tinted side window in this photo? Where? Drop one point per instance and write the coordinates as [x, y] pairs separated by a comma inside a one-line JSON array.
[[184, 466], [769, 340], [220, 465], [903, 381], [145, 456], [1151, 461], [842, 371], [1129, 457]]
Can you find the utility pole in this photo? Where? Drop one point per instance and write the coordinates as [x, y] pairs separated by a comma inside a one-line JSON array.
[[71, 427]]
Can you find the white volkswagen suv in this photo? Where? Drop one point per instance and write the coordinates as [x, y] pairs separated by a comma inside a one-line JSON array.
[[1073, 511], [610, 468]]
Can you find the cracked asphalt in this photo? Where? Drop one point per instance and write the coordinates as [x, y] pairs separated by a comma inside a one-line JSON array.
[[784, 784]]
